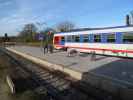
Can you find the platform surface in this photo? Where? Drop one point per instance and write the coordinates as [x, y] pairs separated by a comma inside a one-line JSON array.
[[114, 67]]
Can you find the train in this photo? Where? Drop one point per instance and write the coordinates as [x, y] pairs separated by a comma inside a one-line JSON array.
[[112, 41]]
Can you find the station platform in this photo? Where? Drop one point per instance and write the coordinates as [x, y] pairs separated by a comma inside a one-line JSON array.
[[112, 74], [114, 67]]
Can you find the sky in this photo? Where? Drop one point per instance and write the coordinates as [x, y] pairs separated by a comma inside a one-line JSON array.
[[14, 14]]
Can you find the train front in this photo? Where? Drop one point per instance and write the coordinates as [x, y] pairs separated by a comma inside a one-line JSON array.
[[58, 41]]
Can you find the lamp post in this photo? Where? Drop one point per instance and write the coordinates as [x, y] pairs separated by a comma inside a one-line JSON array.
[[42, 37]]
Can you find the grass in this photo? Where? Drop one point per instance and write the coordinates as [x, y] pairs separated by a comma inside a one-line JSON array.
[[34, 43]]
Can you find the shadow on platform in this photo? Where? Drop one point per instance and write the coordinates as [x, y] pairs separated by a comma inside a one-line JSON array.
[[112, 81]]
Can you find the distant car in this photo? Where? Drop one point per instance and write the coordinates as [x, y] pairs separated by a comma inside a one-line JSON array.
[[114, 41]]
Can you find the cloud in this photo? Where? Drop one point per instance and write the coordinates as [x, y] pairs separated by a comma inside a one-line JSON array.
[[15, 13], [29, 11]]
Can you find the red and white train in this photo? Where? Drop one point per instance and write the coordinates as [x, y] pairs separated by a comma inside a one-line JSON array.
[[114, 41]]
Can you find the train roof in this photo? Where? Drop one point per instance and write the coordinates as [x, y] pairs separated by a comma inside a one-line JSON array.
[[101, 28]]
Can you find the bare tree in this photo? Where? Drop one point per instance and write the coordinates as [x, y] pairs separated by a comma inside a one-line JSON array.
[[28, 32], [65, 26]]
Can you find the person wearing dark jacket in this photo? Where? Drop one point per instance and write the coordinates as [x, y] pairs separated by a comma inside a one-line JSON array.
[[46, 48]]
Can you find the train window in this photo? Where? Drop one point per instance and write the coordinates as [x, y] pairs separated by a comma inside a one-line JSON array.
[[128, 37], [111, 38], [77, 38], [97, 38], [85, 38], [63, 38], [69, 38], [73, 38]]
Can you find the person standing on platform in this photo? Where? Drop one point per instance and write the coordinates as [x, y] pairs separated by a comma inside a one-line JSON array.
[[46, 48], [51, 48]]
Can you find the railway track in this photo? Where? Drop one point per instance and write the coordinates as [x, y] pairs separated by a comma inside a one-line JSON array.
[[58, 85]]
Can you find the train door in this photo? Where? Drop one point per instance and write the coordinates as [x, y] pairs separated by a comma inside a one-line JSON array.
[[62, 42]]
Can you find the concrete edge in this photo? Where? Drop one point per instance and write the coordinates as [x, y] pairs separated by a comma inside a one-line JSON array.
[[75, 74]]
